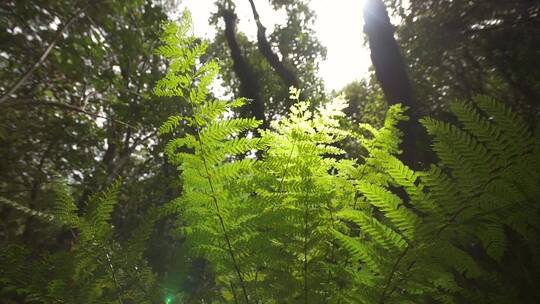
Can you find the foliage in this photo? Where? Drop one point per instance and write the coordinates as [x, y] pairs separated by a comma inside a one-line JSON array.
[[292, 222], [459, 49], [282, 215], [91, 265], [458, 232], [295, 43], [86, 114]]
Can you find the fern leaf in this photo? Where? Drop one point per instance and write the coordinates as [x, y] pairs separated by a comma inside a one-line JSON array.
[[360, 251], [382, 234]]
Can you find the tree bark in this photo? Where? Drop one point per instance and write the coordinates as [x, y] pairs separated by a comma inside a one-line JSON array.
[[286, 75], [391, 73], [249, 85]]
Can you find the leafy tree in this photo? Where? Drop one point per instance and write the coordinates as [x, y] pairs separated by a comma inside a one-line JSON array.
[[273, 61], [458, 49], [366, 103], [83, 112]]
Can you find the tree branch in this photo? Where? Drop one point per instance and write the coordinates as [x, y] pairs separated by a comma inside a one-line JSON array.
[[67, 107], [286, 75], [249, 86], [5, 96]]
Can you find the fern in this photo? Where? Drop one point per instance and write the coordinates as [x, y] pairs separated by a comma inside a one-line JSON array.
[[432, 225], [214, 159], [285, 218], [293, 187], [94, 267]]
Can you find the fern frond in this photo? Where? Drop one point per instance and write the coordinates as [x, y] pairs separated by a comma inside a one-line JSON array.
[[100, 205], [382, 234], [456, 258], [30, 212], [493, 240], [391, 206], [64, 208], [515, 128], [360, 251], [170, 125], [469, 159]]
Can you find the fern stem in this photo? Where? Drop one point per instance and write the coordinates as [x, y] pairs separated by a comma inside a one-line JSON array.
[[234, 293], [113, 274], [285, 167], [332, 245], [224, 229], [391, 275], [257, 299], [305, 249], [305, 255], [218, 213]]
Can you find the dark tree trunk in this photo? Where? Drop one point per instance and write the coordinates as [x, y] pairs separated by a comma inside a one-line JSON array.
[[249, 86], [392, 76], [286, 75]]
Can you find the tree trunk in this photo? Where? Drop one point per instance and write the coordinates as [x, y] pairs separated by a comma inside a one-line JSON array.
[[286, 75], [249, 86], [391, 73]]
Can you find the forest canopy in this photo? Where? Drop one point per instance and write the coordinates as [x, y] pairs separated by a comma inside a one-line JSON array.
[[126, 177]]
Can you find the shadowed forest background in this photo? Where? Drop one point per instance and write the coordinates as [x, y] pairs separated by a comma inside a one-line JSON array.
[[127, 176]]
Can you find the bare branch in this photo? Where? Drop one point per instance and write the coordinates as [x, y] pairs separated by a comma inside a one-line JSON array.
[[67, 107], [286, 75], [5, 96]]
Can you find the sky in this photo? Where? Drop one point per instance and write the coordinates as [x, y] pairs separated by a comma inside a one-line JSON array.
[[338, 26]]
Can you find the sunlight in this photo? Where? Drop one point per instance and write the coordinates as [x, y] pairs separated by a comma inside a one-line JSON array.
[[340, 28]]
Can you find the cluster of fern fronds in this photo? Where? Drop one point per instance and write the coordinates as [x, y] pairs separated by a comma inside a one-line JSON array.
[[464, 231], [284, 217], [89, 265]]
